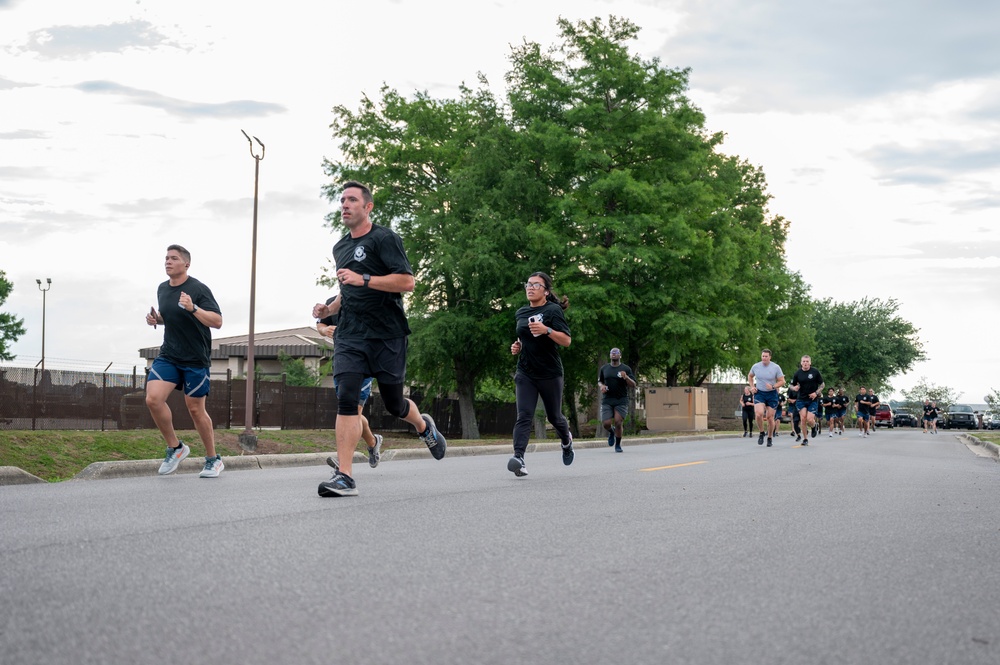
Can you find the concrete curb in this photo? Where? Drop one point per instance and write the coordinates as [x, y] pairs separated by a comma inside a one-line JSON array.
[[13, 475], [988, 446], [10, 475]]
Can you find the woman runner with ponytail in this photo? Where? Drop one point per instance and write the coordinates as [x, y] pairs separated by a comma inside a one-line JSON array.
[[541, 330]]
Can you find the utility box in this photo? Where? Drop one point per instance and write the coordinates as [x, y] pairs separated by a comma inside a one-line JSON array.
[[676, 408]]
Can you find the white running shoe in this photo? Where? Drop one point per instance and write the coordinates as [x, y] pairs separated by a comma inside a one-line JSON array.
[[213, 467], [174, 458]]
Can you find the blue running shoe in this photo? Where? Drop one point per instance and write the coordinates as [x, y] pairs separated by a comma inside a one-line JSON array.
[[339, 485], [432, 438]]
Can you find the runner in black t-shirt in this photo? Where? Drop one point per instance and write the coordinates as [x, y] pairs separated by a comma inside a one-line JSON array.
[[746, 409], [843, 401], [792, 396], [829, 406], [872, 409], [932, 417], [925, 418], [371, 335], [809, 384], [614, 380], [541, 330], [187, 313], [862, 401]]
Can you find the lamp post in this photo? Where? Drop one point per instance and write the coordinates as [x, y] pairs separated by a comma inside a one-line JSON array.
[[48, 282], [248, 440]]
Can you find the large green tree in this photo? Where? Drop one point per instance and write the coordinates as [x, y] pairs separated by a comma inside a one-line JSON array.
[[864, 343], [597, 170], [11, 327]]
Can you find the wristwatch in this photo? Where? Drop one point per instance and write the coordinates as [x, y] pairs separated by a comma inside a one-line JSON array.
[[195, 308], [548, 331], [366, 277]]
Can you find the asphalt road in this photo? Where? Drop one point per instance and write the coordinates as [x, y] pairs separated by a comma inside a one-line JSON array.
[[856, 551]]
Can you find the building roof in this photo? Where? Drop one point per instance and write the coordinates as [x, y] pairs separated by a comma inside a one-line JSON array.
[[296, 342]]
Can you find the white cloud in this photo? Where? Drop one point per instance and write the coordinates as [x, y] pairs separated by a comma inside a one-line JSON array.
[[81, 41]]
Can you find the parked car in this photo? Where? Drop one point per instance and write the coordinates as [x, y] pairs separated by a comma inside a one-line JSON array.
[[903, 418], [991, 421], [960, 416], [884, 416]]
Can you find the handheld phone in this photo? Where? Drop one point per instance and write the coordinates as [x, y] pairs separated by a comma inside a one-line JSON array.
[[535, 318]]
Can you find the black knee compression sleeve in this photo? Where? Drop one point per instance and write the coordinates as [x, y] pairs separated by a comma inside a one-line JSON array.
[[348, 394], [392, 397]]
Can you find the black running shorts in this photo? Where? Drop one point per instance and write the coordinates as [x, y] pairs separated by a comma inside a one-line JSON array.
[[384, 359]]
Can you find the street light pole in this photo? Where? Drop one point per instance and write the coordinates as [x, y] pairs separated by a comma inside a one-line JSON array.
[[48, 282], [248, 440]]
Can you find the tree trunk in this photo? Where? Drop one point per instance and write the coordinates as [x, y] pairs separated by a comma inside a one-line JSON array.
[[466, 388]]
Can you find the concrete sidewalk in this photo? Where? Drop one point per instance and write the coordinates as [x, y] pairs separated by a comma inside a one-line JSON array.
[[12, 475]]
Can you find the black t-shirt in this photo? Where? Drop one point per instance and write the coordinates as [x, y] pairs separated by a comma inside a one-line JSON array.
[[873, 399], [829, 403], [863, 402], [539, 357], [842, 401], [366, 313], [333, 318], [746, 401], [808, 382], [617, 388], [927, 409], [186, 340]]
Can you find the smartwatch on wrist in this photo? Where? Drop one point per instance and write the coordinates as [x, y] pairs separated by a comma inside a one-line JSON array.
[[366, 277]]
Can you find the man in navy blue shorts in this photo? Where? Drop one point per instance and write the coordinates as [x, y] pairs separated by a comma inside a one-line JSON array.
[[765, 378], [187, 313], [809, 384]]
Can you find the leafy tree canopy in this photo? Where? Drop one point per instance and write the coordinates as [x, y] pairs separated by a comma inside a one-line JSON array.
[[596, 169], [11, 327], [864, 343]]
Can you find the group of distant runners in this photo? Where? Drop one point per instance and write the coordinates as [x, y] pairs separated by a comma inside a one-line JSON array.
[[805, 403]]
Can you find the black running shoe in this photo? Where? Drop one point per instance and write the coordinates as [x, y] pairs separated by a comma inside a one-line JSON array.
[[516, 466], [768, 442], [813, 434], [339, 485], [611, 437], [432, 438], [805, 442], [760, 439], [798, 438], [567, 451], [332, 461], [618, 448]]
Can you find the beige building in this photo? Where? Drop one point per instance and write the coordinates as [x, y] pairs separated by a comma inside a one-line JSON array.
[[230, 353]]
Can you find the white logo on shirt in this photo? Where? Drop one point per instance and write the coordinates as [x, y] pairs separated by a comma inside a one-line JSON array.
[[359, 253]]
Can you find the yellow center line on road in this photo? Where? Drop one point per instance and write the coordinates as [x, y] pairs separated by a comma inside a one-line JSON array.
[[674, 466]]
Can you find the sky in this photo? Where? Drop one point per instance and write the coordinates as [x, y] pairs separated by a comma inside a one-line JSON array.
[[876, 124]]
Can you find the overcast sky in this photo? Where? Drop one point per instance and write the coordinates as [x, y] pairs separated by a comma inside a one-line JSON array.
[[877, 124]]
